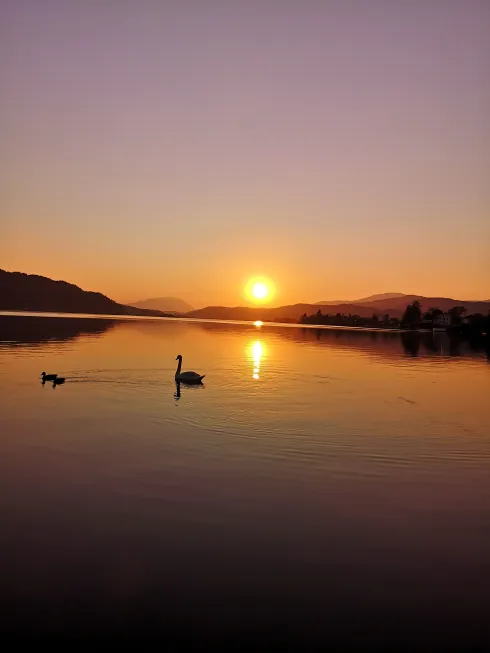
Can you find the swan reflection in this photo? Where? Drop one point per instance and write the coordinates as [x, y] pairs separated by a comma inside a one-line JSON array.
[[187, 386], [177, 390]]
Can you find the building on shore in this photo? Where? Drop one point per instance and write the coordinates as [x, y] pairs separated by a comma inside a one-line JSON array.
[[442, 320]]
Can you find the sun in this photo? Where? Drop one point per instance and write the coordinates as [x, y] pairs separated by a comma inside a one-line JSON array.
[[259, 290]]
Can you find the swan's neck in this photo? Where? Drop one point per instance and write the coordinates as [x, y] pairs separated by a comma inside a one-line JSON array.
[[179, 367]]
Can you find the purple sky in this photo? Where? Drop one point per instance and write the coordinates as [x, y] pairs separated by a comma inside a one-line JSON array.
[[159, 147]]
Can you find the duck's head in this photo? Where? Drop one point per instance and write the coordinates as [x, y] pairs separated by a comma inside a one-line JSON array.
[[43, 374], [179, 357]]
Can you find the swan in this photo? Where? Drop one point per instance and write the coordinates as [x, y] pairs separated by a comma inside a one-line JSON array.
[[48, 377], [187, 377]]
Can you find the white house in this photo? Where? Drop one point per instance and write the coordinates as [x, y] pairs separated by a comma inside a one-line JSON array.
[[443, 320]]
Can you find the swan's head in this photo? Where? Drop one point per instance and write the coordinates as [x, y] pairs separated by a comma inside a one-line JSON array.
[[179, 357]]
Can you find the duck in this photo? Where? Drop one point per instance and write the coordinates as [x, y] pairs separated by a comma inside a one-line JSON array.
[[187, 377], [48, 377]]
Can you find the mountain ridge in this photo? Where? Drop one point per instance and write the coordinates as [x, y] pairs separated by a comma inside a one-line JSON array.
[[444, 303], [24, 292], [292, 312], [32, 292], [363, 300]]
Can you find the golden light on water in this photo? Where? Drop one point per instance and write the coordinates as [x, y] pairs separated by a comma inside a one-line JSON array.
[[258, 323], [259, 290], [257, 351]]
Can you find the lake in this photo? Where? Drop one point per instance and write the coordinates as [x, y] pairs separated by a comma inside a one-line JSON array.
[[322, 487]]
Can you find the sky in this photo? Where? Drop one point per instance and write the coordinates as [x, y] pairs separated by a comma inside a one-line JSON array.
[[179, 147]]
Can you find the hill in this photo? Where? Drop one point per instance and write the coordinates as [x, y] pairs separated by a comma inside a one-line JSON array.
[[364, 300], [166, 304], [281, 313], [394, 306], [393, 302], [30, 292], [444, 303]]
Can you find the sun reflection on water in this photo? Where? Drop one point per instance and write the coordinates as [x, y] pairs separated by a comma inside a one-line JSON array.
[[257, 354]]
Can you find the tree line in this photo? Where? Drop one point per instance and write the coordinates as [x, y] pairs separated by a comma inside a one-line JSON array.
[[412, 318], [413, 315], [341, 319], [474, 324]]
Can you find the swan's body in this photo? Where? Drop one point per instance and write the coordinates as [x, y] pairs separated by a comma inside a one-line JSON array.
[[48, 377], [187, 377]]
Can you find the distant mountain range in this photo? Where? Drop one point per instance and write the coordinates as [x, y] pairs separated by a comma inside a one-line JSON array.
[[289, 313], [30, 292], [166, 304], [394, 306], [399, 301], [444, 303], [364, 300]]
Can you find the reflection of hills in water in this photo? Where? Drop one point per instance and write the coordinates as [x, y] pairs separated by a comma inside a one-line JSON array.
[[388, 344], [23, 330], [16, 331]]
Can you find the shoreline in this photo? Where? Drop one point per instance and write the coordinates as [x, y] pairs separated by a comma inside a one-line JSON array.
[[294, 325]]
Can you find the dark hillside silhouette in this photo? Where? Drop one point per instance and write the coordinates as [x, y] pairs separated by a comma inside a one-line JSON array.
[[396, 303], [365, 300], [30, 292], [394, 307], [281, 313], [426, 303]]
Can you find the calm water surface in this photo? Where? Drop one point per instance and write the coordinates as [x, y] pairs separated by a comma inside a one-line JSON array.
[[321, 486]]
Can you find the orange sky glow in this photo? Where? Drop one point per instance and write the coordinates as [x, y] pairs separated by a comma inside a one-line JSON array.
[[159, 153]]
